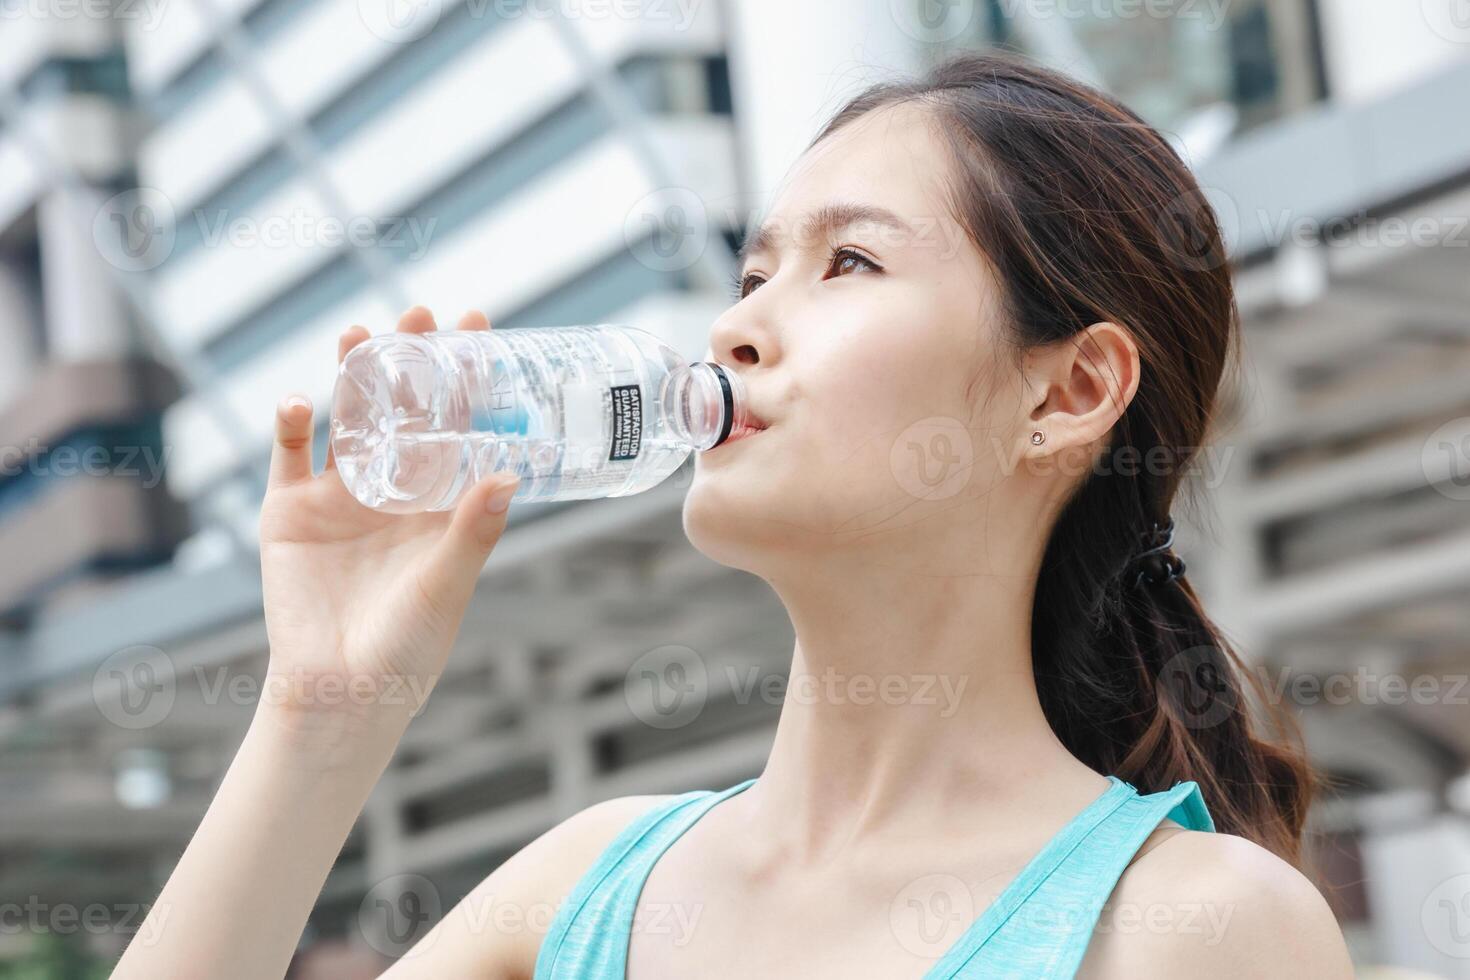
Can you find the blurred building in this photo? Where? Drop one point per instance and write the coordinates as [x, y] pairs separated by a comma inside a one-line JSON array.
[[200, 196]]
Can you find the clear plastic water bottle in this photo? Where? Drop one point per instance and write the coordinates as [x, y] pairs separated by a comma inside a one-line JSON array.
[[577, 412]]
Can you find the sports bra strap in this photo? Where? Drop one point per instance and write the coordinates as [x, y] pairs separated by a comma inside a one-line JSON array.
[[1084, 886], [592, 927]]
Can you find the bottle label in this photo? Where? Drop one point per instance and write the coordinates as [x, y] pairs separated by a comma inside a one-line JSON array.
[[627, 421]]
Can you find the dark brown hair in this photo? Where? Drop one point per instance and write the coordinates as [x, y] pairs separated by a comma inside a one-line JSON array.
[[1087, 215]]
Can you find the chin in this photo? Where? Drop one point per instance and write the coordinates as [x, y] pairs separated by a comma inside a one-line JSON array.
[[727, 517]]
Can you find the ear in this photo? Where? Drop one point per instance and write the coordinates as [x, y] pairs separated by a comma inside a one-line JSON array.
[[1079, 387]]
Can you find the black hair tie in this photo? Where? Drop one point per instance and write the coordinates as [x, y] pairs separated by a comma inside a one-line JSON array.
[[1157, 565]]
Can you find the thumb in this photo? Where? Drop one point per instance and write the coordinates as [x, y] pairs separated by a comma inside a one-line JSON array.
[[478, 522]]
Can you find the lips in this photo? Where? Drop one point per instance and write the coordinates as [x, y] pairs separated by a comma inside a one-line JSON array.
[[744, 431]]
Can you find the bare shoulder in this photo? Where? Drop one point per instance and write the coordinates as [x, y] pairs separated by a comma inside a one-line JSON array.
[[1215, 905], [496, 929]]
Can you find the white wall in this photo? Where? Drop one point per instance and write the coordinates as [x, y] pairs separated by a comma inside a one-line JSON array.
[[1418, 878], [1374, 47]]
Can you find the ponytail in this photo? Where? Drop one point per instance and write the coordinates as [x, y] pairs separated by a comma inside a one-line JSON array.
[[1138, 682]]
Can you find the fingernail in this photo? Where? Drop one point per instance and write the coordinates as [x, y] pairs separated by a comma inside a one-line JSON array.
[[297, 401], [500, 499]]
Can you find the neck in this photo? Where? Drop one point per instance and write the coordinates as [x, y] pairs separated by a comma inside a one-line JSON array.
[[911, 703]]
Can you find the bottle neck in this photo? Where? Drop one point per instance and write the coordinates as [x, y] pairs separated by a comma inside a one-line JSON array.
[[705, 402]]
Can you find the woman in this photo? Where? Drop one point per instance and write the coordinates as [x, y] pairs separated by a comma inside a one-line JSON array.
[[984, 352]]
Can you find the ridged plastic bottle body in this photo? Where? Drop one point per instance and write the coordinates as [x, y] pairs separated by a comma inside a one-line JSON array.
[[576, 412]]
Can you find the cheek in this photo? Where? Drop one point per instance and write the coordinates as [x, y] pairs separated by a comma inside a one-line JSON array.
[[869, 387], [843, 465]]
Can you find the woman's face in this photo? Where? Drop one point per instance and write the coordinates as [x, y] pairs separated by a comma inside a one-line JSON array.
[[865, 334]]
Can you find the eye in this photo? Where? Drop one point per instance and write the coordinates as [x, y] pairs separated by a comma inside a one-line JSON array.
[[743, 286], [846, 260]]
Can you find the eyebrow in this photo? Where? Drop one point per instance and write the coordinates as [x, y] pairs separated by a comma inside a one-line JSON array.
[[823, 222]]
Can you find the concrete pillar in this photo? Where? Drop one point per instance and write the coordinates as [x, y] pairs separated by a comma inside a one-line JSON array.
[[20, 331], [86, 318], [793, 64]]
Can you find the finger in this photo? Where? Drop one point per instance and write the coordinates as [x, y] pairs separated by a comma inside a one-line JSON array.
[[350, 338], [416, 320], [474, 320], [472, 534], [291, 452]]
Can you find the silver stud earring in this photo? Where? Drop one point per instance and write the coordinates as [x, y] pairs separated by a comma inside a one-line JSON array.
[[1038, 437]]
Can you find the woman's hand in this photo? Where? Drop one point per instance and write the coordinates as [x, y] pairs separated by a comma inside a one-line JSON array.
[[361, 607]]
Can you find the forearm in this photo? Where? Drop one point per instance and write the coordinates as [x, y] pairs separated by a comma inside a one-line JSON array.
[[238, 900]]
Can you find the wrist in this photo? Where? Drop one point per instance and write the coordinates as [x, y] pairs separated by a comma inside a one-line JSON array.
[[329, 740]]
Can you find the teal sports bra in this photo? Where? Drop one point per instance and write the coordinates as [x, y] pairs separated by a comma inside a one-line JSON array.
[[1038, 927]]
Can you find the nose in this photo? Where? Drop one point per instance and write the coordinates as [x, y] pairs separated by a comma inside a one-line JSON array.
[[742, 336]]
